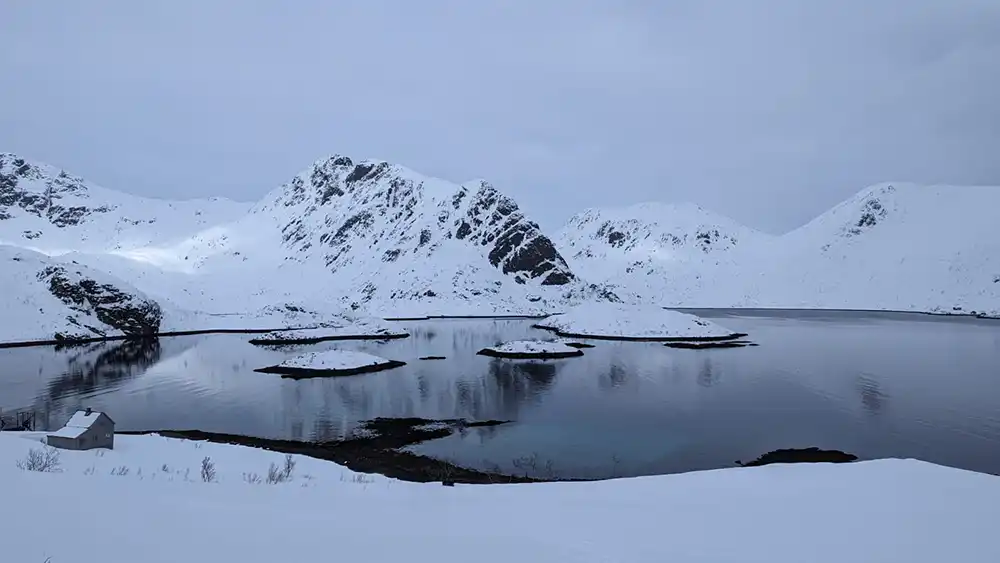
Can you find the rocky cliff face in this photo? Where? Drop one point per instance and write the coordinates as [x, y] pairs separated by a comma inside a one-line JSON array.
[[373, 216], [44, 299], [27, 188], [118, 309]]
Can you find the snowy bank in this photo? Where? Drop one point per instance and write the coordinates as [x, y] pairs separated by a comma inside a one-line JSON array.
[[913, 511], [614, 321], [531, 349], [331, 363], [368, 329]]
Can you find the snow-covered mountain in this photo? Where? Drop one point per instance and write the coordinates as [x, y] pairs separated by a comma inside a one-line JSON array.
[[652, 240], [377, 237], [385, 232], [43, 299], [366, 235], [46, 208], [892, 246], [898, 246]]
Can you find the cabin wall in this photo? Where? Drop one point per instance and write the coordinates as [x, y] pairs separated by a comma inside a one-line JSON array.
[[102, 434], [63, 443]]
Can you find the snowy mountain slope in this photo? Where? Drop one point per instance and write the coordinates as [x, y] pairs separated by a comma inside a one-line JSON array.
[[44, 299], [651, 239], [376, 235], [402, 217], [367, 234], [899, 246], [892, 246], [44, 208]]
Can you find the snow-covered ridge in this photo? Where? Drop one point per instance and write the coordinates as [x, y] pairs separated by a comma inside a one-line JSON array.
[[651, 237], [338, 206], [365, 235], [44, 300], [892, 246], [374, 236], [52, 211]]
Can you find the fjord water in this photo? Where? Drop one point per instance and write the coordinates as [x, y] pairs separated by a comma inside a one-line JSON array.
[[873, 384]]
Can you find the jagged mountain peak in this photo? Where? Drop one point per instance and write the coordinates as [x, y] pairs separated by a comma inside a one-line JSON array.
[[345, 210], [652, 228], [34, 188], [50, 210]]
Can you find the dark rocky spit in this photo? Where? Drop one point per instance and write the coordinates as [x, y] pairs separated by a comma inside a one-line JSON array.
[[376, 449], [694, 345], [800, 455], [307, 373], [529, 355]]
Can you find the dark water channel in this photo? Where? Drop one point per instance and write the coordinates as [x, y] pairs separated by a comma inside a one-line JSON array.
[[873, 384]]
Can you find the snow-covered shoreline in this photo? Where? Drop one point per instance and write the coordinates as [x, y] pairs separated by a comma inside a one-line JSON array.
[[330, 363], [913, 511], [532, 349], [615, 321]]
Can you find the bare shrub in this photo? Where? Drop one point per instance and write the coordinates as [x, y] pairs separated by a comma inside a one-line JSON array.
[[120, 471], [207, 470], [251, 478], [282, 474], [45, 460], [527, 464]]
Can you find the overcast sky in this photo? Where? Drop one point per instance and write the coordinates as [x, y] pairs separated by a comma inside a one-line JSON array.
[[769, 111]]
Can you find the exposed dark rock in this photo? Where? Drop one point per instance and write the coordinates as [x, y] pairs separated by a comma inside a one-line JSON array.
[[616, 238], [704, 345], [377, 450], [805, 455], [128, 313], [359, 172], [44, 204], [871, 213], [434, 358], [379, 208]]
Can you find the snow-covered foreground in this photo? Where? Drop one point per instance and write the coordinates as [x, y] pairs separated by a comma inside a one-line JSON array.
[[160, 510], [612, 320]]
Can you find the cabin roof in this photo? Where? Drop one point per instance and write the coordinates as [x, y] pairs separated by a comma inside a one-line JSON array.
[[83, 420], [68, 432]]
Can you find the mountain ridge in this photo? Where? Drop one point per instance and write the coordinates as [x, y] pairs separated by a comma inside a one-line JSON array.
[[369, 234]]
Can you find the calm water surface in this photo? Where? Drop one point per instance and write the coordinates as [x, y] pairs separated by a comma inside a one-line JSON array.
[[874, 384]]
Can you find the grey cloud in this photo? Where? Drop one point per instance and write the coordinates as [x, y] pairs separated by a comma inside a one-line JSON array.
[[767, 111]]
